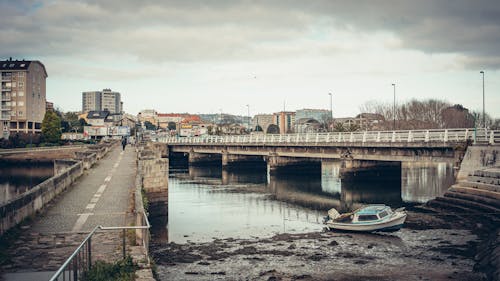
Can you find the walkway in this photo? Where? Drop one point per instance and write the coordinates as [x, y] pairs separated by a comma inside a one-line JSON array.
[[99, 197]]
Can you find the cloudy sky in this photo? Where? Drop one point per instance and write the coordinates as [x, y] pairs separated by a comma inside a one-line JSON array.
[[212, 56]]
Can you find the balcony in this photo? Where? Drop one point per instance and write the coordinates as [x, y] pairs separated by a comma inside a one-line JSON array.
[[5, 98], [6, 89], [6, 77], [5, 117]]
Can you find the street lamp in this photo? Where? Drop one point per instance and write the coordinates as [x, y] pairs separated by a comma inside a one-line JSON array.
[[248, 120], [331, 107], [394, 108], [484, 116]]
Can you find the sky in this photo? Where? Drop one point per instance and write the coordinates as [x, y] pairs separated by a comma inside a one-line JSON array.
[[233, 55]]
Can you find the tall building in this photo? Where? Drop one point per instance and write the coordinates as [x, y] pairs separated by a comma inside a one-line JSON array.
[[101, 101], [23, 98], [105, 100], [285, 121]]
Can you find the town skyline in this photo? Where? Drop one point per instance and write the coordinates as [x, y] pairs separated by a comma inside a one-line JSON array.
[[193, 57]]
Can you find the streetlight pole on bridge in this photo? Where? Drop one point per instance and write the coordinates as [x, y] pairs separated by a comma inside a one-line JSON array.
[[248, 121], [394, 108], [484, 116], [331, 107]]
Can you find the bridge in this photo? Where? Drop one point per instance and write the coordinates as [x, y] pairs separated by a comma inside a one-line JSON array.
[[356, 149]]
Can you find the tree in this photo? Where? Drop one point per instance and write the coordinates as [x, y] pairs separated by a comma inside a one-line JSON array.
[[51, 127], [172, 126], [149, 126]]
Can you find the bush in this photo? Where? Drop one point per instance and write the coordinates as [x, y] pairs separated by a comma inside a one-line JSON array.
[[123, 270]]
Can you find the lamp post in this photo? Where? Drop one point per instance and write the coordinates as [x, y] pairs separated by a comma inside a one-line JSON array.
[[331, 107], [394, 108], [484, 116], [248, 120]]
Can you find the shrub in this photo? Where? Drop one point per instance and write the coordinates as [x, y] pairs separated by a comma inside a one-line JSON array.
[[123, 270]]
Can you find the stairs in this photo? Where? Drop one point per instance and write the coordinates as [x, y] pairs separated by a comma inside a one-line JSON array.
[[477, 195]]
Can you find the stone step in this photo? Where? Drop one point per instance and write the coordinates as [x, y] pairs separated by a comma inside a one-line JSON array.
[[475, 191], [478, 185], [474, 198], [470, 204], [487, 180], [488, 173], [444, 204]]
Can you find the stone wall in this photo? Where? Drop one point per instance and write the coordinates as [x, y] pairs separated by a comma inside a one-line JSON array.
[[477, 157], [31, 202], [153, 170]]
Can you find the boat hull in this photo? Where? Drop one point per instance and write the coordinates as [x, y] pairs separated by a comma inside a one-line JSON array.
[[393, 224]]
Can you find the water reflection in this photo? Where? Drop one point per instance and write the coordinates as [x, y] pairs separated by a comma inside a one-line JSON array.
[[19, 178], [423, 181], [209, 202]]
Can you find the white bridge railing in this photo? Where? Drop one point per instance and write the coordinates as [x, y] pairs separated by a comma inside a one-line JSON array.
[[482, 136]]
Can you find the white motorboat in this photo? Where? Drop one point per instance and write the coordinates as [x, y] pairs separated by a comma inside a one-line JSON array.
[[376, 217]]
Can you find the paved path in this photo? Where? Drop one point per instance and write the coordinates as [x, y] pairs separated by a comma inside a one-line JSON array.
[[99, 197]]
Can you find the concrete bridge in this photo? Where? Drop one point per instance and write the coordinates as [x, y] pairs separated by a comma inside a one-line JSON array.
[[356, 149]]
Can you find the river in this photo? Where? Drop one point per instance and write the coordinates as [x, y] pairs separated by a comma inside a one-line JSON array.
[[17, 178], [207, 203]]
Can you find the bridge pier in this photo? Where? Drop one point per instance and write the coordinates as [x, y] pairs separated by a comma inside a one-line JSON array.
[[201, 159], [281, 164]]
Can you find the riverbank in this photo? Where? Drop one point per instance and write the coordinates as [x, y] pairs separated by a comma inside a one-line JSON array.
[[430, 247]]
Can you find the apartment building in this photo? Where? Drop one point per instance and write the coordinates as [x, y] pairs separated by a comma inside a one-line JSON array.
[[105, 100], [285, 121], [23, 96]]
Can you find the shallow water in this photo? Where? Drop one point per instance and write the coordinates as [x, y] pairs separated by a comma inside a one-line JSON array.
[[207, 203], [16, 179]]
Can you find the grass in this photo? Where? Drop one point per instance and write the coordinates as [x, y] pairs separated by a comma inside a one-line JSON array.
[[123, 270]]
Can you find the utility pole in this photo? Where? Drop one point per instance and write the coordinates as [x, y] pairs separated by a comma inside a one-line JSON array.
[[394, 108], [484, 116]]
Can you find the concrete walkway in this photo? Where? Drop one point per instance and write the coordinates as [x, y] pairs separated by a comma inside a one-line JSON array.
[[99, 197]]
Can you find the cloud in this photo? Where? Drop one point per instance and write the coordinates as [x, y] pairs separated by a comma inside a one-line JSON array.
[[193, 31]]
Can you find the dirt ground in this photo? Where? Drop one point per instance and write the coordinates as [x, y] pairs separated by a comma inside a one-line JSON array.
[[430, 247]]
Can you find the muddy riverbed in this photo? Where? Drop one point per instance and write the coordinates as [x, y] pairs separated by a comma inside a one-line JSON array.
[[430, 247]]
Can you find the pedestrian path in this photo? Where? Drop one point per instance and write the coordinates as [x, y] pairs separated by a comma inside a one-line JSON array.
[[99, 197]]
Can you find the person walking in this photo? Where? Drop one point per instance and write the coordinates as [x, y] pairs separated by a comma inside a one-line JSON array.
[[124, 143]]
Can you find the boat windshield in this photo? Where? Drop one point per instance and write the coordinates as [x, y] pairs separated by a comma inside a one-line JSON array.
[[367, 217], [383, 214]]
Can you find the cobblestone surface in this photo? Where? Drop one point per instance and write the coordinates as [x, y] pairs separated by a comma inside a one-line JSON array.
[[48, 241]]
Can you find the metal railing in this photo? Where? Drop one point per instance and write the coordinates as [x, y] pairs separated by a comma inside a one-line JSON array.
[[413, 136], [80, 261]]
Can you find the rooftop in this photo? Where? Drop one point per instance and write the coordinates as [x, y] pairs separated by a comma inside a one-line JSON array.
[[18, 65]]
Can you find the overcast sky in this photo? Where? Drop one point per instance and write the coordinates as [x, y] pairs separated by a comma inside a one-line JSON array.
[[213, 56]]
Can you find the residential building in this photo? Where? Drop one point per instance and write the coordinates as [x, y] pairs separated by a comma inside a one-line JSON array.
[[307, 125], [23, 96], [261, 122], [321, 115], [285, 120], [105, 100], [149, 115]]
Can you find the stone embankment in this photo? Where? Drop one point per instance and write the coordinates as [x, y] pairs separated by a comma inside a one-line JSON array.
[[65, 173], [477, 201]]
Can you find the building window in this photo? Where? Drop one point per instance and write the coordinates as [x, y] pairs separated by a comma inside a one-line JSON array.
[[20, 113], [14, 94], [21, 103], [12, 113], [21, 85], [21, 94], [21, 74], [13, 103]]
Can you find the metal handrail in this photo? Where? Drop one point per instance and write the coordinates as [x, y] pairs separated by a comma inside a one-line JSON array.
[[478, 135], [81, 259]]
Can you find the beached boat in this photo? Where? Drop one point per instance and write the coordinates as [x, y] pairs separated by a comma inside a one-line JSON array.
[[368, 218]]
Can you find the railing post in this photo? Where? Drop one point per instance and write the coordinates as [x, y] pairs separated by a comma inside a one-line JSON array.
[[427, 136], [492, 137], [328, 137], [351, 137], [75, 268], [297, 138], [317, 138], [364, 136], [410, 136], [445, 139], [378, 136], [340, 137], [89, 253], [393, 136], [123, 245]]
